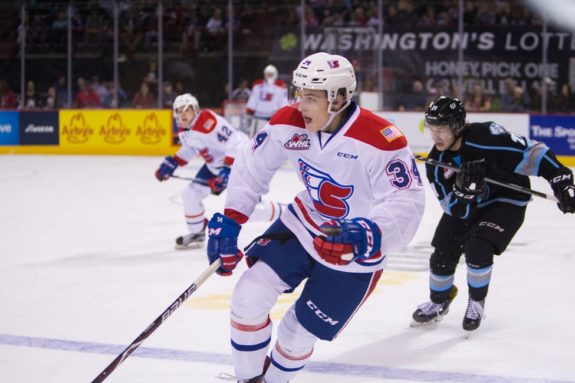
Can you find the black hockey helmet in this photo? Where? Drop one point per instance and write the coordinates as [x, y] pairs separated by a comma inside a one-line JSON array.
[[446, 111]]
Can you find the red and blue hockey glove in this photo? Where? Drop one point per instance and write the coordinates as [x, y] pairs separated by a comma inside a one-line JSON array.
[[562, 185], [220, 183], [167, 168], [470, 183], [347, 240], [223, 243]]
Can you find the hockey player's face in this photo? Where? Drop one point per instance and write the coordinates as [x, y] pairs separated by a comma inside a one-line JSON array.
[[313, 107], [441, 135], [184, 116]]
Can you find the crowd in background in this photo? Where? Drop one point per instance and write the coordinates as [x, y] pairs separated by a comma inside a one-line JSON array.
[[192, 27]]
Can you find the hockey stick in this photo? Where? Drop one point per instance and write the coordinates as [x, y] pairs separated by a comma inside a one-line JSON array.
[[200, 181], [518, 188], [156, 323]]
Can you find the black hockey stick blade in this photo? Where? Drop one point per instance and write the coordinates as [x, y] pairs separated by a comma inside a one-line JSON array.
[[518, 188], [156, 323]]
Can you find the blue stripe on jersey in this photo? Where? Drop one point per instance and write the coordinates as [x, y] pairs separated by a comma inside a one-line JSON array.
[[551, 161], [506, 148], [505, 200], [251, 347], [280, 367]]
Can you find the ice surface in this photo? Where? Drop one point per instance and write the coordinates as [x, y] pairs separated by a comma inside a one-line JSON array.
[[87, 263]]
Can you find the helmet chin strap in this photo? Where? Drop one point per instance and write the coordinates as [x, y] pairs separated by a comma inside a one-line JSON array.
[[332, 114], [456, 137]]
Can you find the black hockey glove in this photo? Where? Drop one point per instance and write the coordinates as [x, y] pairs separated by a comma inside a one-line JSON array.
[[470, 181], [562, 185]]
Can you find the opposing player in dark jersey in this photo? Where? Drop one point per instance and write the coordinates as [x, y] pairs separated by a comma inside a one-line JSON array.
[[480, 218]]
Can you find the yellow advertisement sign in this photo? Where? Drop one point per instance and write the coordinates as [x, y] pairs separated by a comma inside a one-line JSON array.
[[115, 131]]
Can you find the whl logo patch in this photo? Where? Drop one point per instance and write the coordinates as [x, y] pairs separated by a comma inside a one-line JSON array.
[[298, 142]]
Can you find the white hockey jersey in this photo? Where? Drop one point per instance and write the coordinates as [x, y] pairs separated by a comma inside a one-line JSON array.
[[365, 169], [266, 99], [212, 137]]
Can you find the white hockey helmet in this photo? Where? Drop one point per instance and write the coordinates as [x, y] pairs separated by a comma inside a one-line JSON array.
[[270, 73], [324, 71], [183, 101]]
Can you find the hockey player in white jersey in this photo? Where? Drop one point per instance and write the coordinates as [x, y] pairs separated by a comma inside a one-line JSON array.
[[209, 135], [266, 98], [361, 199]]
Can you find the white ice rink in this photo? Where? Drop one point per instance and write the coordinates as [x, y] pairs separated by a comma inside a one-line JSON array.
[[87, 263]]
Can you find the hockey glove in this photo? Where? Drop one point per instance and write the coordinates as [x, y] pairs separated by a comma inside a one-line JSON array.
[[562, 185], [223, 243], [347, 240], [220, 183], [470, 183], [168, 167]]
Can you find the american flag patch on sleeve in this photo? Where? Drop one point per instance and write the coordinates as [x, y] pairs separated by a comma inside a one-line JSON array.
[[391, 133]]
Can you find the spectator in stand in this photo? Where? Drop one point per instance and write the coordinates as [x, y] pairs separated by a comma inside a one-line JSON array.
[[215, 30], [144, 99], [50, 102], [132, 31], [8, 99], [168, 95], [512, 100], [548, 87], [61, 88], [110, 101], [565, 101], [192, 34], [86, 98], [477, 101], [486, 14], [99, 88], [58, 29], [416, 99], [31, 98], [93, 28], [242, 92]]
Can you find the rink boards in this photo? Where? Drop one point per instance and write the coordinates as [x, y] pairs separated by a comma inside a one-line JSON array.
[[152, 132]]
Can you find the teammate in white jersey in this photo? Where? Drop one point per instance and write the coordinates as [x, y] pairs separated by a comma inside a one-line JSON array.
[[266, 98], [209, 135], [362, 198]]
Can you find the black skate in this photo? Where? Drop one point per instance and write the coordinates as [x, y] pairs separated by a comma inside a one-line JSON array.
[[260, 378], [430, 312], [191, 241], [473, 315], [257, 379]]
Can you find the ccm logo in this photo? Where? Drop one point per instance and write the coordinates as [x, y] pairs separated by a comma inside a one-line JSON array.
[[346, 155], [320, 314], [492, 226]]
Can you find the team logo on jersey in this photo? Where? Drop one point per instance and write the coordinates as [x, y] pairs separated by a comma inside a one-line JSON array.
[[329, 197], [448, 173], [259, 139], [391, 133], [497, 129], [266, 96], [298, 142]]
